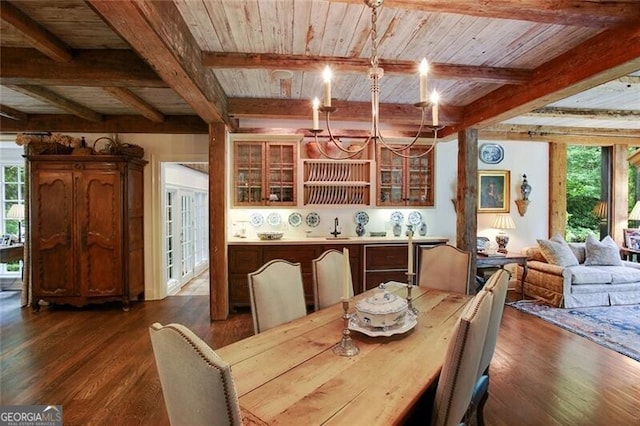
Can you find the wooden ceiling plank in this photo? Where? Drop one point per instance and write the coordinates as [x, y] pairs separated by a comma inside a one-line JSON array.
[[89, 68], [160, 36], [12, 113], [593, 62], [39, 37], [595, 14], [173, 124], [53, 98], [128, 97], [220, 60], [594, 114]]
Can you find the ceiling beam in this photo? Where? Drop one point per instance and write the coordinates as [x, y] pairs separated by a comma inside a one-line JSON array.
[[11, 113], [173, 124], [593, 62], [56, 100], [597, 114], [558, 130], [596, 140], [595, 14], [337, 133], [157, 32], [38, 36], [89, 68], [221, 60], [128, 97]]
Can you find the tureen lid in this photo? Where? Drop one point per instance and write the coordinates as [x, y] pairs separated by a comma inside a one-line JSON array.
[[382, 302]]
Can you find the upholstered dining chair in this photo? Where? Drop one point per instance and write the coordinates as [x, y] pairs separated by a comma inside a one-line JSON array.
[[197, 385], [445, 267], [460, 369], [276, 294], [327, 279], [496, 286]]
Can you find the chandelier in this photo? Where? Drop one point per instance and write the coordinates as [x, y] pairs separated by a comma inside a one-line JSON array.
[[375, 136]]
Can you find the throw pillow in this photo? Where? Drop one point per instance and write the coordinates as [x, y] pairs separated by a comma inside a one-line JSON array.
[[557, 251], [578, 250], [605, 252]]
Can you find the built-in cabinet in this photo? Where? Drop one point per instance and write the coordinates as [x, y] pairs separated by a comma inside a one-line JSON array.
[[337, 182], [86, 229], [405, 181], [265, 173]]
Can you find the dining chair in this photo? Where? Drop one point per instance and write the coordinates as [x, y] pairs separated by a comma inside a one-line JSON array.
[[496, 286], [445, 267], [460, 370], [276, 294], [197, 384], [327, 279]]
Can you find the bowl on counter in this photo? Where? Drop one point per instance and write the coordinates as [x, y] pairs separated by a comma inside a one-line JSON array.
[[383, 309], [270, 235]]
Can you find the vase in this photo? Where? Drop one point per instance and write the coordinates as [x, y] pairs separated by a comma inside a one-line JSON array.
[[332, 150], [312, 150], [423, 229], [397, 229], [360, 230]]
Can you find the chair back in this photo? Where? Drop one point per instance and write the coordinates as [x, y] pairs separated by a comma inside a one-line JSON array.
[[276, 293], [445, 267], [197, 385], [459, 372], [497, 286], [327, 279]]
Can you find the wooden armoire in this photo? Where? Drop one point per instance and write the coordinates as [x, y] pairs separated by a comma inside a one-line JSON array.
[[86, 228]]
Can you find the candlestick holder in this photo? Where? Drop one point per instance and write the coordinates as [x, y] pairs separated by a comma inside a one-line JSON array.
[[410, 280], [346, 346]]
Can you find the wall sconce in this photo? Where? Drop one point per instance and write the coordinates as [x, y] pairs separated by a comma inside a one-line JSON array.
[[525, 190]]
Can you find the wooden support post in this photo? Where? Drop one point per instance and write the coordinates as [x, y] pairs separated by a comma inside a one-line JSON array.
[[557, 188], [467, 197]]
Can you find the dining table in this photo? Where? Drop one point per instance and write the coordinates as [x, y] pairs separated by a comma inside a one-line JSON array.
[[289, 374]]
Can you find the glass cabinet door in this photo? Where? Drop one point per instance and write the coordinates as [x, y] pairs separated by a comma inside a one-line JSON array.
[[405, 181], [281, 174], [390, 178], [248, 173], [419, 182]]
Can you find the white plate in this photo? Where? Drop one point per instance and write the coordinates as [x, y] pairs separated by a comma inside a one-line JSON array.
[[407, 324], [295, 219], [274, 219], [257, 220], [397, 218], [362, 218], [313, 219], [414, 218]]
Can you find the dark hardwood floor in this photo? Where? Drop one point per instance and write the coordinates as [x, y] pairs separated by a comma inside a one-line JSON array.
[[97, 362]]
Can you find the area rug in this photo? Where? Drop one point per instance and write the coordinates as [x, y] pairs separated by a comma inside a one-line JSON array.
[[614, 327]]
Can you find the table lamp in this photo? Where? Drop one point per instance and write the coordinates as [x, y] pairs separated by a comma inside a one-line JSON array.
[[503, 221], [635, 212], [16, 212]]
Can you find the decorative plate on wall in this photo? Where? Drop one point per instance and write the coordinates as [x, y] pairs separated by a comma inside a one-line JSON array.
[[313, 219], [362, 218], [295, 219], [414, 218], [274, 219], [491, 153], [397, 218], [257, 219]]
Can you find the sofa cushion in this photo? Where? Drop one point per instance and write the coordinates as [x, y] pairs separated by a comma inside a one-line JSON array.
[[620, 274], [605, 252], [579, 251], [557, 251], [534, 253], [581, 274]]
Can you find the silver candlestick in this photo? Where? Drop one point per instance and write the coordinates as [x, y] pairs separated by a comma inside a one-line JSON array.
[[410, 280], [346, 346]]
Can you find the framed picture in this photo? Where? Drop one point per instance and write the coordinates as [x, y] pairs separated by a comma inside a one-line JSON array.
[[493, 191]]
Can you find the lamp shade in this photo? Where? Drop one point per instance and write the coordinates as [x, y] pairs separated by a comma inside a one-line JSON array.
[[600, 209], [635, 212], [503, 221], [16, 212]]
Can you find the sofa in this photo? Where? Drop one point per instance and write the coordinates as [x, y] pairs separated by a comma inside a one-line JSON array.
[[589, 278]]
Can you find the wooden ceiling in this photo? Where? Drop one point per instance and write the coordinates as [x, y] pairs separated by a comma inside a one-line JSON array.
[[511, 68]]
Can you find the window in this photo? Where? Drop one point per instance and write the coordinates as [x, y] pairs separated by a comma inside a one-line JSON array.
[[12, 192]]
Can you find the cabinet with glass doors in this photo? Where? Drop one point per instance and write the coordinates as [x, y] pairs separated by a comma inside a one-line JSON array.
[[406, 181]]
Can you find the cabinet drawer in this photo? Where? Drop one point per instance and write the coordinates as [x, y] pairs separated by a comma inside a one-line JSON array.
[[244, 259], [383, 257]]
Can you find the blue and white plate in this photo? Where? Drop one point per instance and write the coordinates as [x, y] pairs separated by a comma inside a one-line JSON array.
[[414, 218], [313, 219], [257, 219], [295, 219], [362, 218], [274, 219], [397, 218]]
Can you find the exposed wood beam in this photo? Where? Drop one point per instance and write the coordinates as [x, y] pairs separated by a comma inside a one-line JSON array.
[[160, 36], [53, 98], [557, 130], [128, 97], [12, 113], [90, 68], [38, 36], [568, 139], [593, 62], [597, 14], [173, 124], [338, 133], [598, 114], [218, 60]]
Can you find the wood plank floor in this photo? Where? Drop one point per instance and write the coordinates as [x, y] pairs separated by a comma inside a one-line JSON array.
[[98, 364]]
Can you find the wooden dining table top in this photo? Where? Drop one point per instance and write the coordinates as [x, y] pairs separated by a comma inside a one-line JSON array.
[[290, 374]]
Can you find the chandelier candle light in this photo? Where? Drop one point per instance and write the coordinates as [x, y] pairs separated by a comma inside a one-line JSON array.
[[375, 73], [345, 347]]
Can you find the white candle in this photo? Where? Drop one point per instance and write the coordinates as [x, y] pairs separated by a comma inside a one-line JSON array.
[[424, 70], [316, 104], [434, 109], [345, 274], [327, 86], [410, 254]]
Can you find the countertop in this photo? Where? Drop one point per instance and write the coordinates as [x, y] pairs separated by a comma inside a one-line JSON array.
[[295, 240]]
